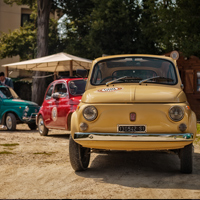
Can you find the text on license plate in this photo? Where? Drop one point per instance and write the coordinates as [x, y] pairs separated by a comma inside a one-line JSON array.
[[135, 128]]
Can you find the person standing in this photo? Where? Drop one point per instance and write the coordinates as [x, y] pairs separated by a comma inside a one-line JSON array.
[[5, 80]]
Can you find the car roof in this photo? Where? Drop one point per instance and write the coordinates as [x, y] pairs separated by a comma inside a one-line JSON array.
[[134, 55], [67, 79]]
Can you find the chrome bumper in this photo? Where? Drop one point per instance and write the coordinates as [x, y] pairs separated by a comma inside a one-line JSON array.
[[137, 137], [31, 117]]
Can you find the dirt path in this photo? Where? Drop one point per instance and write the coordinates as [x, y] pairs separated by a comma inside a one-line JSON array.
[[35, 167]]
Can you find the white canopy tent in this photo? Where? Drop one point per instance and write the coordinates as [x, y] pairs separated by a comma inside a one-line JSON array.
[[54, 63]]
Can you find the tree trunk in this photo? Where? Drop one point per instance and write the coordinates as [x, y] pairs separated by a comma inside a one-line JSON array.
[[38, 86]]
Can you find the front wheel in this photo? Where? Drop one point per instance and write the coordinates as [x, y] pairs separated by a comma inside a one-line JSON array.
[[32, 126], [186, 155], [43, 130], [79, 156], [11, 122]]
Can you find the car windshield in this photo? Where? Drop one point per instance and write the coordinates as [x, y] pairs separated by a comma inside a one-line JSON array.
[[77, 87], [8, 93], [134, 70]]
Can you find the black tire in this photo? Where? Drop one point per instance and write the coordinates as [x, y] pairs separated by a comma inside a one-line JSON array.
[[43, 130], [11, 122], [186, 156], [32, 126], [79, 156]]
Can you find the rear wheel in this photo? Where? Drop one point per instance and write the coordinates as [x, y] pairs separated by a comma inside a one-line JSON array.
[[79, 156], [11, 122], [186, 155], [43, 130], [32, 126]]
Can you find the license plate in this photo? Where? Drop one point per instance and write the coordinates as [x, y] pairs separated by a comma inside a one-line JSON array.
[[131, 128]]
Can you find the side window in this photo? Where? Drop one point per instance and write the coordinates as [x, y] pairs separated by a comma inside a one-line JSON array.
[[61, 89], [49, 92]]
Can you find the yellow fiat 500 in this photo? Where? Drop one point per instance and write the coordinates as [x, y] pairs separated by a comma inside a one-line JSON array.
[[132, 103]]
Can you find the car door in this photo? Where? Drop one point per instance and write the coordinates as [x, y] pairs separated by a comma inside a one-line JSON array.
[[47, 106], [61, 105]]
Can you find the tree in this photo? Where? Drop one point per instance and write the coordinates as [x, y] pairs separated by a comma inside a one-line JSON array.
[[20, 42], [43, 7], [178, 24], [25, 37], [108, 27]]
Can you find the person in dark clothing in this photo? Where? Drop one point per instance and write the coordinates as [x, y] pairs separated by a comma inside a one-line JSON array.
[[5, 80]]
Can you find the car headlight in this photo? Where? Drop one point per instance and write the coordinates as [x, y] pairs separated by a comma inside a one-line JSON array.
[[26, 109], [90, 113], [176, 113]]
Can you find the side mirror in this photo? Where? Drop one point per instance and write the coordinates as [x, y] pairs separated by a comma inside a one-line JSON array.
[[56, 95], [182, 86], [82, 72]]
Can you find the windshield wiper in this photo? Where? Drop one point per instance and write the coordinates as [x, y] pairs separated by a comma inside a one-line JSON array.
[[110, 82], [155, 77]]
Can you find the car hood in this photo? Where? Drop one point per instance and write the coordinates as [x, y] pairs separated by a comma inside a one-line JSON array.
[[20, 102], [133, 93]]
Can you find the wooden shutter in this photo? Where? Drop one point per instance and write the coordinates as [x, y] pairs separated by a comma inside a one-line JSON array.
[[189, 81]]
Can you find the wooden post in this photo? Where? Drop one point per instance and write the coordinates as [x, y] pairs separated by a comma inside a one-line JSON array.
[[6, 72], [71, 68], [55, 75]]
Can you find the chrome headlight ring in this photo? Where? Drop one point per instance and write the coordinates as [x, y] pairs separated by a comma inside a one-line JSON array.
[[90, 113], [176, 113]]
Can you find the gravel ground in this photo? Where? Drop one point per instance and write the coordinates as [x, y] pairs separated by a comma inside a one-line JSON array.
[[36, 167]]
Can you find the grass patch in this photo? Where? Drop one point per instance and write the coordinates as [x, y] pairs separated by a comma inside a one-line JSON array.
[[8, 148], [6, 152], [9, 145], [45, 153]]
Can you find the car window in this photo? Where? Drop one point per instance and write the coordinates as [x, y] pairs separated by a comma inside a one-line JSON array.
[[135, 69], [77, 87], [8, 93], [49, 93], [61, 89]]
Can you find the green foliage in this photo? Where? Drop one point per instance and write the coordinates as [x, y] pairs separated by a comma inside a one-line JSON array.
[[20, 42], [108, 27], [96, 27], [21, 2], [178, 23]]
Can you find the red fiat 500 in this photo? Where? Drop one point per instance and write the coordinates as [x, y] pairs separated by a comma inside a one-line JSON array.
[[60, 101]]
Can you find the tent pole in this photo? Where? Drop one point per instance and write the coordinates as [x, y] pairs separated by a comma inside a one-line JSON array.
[[6, 72], [55, 75], [71, 68]]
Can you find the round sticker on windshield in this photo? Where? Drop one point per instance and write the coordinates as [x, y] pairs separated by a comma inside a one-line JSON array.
[[54, 114], [110, 89]]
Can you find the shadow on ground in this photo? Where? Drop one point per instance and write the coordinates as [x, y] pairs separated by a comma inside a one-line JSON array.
[[143, 169]]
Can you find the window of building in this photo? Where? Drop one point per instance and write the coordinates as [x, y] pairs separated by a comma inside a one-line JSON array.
[[25, 18]]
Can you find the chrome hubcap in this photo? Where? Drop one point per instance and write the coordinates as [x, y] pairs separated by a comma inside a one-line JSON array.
[[41, 125], [8, 122]]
